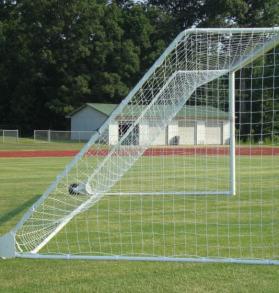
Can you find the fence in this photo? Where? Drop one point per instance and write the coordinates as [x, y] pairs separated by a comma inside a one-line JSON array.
[[9, 135], [62, 136]]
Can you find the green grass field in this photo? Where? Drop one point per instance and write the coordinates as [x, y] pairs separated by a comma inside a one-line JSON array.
[[24, 179], [29, 144]]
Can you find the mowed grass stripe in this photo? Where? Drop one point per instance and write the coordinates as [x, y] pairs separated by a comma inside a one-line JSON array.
[[89, 276], [185, 225]]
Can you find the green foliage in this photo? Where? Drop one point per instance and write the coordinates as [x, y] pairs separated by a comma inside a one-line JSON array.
[[218, 13], [57, 55], [23, 179]]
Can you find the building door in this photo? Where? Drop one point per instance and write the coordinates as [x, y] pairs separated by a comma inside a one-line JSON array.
[[187, 132], [133, 137], [213, 133], [157, 134]]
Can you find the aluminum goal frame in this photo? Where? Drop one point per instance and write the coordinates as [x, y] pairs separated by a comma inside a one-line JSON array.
[[8, 243]]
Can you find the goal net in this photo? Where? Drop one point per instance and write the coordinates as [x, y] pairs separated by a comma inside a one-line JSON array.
[[9, 136], [185, 168]]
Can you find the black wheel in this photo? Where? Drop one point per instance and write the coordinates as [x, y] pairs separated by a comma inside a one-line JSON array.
[[72, 189]]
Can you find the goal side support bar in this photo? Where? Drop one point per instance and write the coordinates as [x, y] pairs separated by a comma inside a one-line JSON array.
[[232, 131], [149, 258]]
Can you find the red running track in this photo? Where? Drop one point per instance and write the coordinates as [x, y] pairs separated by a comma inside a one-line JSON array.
[[37, 154], [245, 151]]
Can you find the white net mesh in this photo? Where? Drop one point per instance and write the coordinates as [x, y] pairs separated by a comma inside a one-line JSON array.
[[9, 136], [156, 180]]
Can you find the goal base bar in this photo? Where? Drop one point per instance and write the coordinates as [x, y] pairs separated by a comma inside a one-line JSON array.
[[182, 193], [147, 258]]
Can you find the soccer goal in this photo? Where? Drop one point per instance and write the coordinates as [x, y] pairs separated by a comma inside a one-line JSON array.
[[8, 135], [184, 169]]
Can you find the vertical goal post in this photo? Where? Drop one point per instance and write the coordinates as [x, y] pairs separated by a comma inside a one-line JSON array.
[[135, 197], [232, 132], [9, 135]]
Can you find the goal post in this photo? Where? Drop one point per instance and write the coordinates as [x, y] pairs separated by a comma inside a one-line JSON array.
[[232, 132], [9, 135], [184, 169]]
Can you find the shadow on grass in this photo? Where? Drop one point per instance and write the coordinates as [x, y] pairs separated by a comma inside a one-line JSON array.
[[9, 215]]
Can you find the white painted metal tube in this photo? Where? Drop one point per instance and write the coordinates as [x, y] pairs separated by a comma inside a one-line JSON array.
[[253, 55], [152, 258], [232, 132], [234, 30], [177, 193]]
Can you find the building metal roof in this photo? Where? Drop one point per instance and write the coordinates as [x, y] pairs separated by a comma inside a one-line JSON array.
[[103, 108], [189, 112]]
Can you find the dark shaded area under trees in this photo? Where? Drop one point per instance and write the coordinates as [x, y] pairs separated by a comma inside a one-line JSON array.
[[57, 55]]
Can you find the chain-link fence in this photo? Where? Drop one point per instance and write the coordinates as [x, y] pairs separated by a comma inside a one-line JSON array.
[[62, 136]]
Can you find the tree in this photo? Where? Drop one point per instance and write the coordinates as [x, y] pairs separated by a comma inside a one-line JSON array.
[[57, 55], [218, 13], [45, 50], [244, 13]]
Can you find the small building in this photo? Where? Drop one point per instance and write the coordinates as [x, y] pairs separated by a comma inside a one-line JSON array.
[[193, 125], [88, 118]]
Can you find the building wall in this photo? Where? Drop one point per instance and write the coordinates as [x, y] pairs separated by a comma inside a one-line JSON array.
[[226, 132], [173, 133], [187, 132], [160, 135], [87, 119], [214, 132], [161, 139], [143, 133], [148, 130], [202, 132], [178, 132], [113, 133]]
